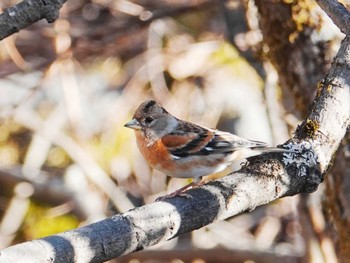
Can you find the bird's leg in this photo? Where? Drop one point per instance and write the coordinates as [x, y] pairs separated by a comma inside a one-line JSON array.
[[180, 192]]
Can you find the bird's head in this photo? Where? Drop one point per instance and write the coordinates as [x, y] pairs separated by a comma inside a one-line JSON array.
[[153, 119]]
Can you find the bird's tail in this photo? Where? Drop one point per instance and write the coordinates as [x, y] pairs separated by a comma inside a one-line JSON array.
[[265, 149]]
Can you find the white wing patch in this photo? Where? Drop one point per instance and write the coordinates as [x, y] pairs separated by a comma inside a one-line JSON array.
[[222, 144], [175, 157]]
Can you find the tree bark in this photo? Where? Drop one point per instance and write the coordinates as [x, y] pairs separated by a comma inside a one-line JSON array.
[[160, 221], [26, 13], [299, 60], [337, 203], [289, 56]]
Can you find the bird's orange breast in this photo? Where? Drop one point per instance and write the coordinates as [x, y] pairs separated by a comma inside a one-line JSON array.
[[155, 153]]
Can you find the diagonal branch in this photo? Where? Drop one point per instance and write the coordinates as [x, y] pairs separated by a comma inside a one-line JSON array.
[[156, 222], [26, 13]]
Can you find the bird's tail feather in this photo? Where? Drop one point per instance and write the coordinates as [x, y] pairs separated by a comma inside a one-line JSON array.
[[265, 149]]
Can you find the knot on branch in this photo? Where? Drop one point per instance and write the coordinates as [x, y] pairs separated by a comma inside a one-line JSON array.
[[51, 9], [302, 161]]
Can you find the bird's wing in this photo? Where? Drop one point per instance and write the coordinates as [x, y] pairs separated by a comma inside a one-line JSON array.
[[226, 139], [189, 139]]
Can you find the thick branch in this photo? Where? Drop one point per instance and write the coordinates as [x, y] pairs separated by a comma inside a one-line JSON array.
[[156, 222], [328, 119], [26, 13]]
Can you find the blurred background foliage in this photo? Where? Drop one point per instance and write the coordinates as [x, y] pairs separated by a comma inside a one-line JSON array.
[[67, 88]]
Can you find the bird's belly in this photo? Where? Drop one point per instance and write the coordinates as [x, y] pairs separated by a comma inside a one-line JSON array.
[[191, 167], [159, 158], [197, 171]]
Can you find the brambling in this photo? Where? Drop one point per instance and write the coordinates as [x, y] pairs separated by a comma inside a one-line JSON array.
[[183, 149]]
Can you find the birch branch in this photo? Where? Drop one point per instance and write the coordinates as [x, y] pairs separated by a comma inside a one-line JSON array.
[[157, 222]]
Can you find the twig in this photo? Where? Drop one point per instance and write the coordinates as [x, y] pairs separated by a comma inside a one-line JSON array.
[[26, 13], [15, 213], [46, 188]]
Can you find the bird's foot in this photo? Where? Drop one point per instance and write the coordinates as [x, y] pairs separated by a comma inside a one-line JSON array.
[[180, 192]]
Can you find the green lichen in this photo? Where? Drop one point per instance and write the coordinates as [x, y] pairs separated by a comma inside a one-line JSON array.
[[311, 127], [329, 88], [320, 86]]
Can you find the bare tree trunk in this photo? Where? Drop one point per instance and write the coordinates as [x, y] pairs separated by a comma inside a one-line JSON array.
[[337, 203], [299, 60]]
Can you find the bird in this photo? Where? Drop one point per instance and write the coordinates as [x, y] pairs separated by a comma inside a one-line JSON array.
[[184, 149]]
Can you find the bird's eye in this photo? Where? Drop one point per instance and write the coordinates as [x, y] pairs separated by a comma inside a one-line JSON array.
[[148, 120]]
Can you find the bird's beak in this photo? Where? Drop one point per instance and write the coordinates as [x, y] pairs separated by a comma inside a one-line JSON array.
[[133, 124]]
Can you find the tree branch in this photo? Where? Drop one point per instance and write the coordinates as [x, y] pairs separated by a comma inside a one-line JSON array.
[[50, 189], [338, 13], [26, 13], [156, 222]]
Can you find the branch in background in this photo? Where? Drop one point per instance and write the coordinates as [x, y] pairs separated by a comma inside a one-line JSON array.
[[26, 13], [46, 188], [108, 34], [337, 198], [236, 25], [301, 64], [29, 119], [337, 203], [15, 213]]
